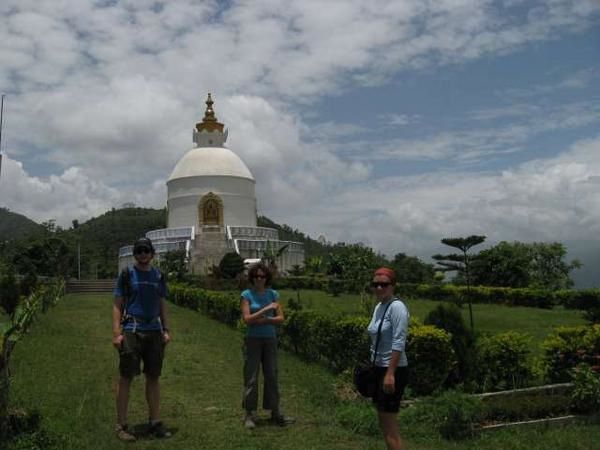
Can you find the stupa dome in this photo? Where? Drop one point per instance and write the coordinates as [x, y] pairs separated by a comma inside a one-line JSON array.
[[211, 161]]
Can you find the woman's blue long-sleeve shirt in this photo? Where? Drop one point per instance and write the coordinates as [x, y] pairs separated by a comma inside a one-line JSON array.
[[393, 332]]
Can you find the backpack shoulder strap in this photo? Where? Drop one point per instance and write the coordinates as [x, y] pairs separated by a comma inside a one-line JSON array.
[[126, 284]]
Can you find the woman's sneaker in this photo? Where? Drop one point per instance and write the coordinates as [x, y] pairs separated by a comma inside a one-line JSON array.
[[282, 420], [123, 433], [249, 422]]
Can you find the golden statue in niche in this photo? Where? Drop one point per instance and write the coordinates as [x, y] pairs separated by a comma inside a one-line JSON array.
[[211, 210]]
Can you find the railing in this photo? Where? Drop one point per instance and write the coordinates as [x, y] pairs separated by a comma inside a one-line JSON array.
[[252, 232], [259, 244], [160, 247], [183, 233]]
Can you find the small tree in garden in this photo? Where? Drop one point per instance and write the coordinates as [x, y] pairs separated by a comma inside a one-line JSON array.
[[460, 262], [270, 256], [9, 291], [448, 317], [12, 331], [231, 265], [174, 264]]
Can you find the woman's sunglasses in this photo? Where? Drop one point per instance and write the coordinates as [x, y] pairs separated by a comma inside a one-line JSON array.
[[380, 284], [140, 250], [262, 277]]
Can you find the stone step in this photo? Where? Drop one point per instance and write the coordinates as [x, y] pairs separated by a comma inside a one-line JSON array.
[[74, 286]]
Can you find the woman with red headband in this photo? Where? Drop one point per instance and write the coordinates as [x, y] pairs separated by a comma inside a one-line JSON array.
[[388, 330]]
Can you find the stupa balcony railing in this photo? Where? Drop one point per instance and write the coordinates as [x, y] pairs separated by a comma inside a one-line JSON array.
[[159, 247], [262, 245], [238, 231], [169, 234]]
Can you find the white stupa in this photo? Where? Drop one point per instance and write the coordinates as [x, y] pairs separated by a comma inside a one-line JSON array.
[[211, 206]]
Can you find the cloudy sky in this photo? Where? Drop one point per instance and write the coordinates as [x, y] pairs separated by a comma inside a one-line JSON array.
[[393, 123]]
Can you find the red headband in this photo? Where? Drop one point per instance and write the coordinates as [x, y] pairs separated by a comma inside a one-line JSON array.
[[384, 271]]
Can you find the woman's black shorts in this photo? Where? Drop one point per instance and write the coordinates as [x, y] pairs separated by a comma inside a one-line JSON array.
[[390, 402]]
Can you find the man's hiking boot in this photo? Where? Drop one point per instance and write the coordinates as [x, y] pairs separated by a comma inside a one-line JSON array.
[[123, 433], [158, 430], [282, 420], [249, 422]]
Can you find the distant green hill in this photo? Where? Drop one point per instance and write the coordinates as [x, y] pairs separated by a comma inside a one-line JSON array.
[[101, 237], [312, 247], [15, 226]]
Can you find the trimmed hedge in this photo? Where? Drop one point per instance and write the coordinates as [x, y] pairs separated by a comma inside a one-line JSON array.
[[582, 299], [431, 358], [479, 294], [339, 342]]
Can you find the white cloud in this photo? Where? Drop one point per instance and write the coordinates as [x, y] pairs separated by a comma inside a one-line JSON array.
[[551, 199], [109, 92]]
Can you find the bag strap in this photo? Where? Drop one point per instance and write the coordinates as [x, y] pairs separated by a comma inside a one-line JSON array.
[[379, 331]]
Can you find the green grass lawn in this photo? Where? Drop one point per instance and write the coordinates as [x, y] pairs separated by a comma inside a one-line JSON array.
[[67, 369]]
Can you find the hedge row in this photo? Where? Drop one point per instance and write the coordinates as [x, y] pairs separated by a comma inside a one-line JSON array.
[[338, 342], [502, 361], [583, 299]]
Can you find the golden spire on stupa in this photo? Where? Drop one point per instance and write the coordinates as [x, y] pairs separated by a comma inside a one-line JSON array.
[[210, 122]]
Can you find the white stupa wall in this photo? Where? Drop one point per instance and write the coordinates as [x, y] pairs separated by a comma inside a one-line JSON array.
[[237, 194]]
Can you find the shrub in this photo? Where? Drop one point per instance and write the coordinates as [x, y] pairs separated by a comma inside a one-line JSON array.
[[460, 414], [9, 292], [503, 361], [296, 332], [592, 315], [335, 286], [527, 406], [448, 317], [431, 358], [585, 396], [583, 299], [294, 304], [231, 265], [453, 414], [567, 347], [301, 282]]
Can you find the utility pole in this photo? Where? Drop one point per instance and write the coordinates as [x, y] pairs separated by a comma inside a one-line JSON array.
[[1, 122], [78, 260]]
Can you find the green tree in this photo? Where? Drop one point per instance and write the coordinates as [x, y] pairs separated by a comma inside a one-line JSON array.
[[549, 269], [48, 254], [174, 264], [519, 265], [9, 291], [271, 254], [354, 263], [506, 264], [460, 262], [11, 332], [410, 269], [314, 264], [231, 265]]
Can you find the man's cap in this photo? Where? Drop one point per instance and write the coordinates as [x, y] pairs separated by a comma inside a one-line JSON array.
[[143, 242]]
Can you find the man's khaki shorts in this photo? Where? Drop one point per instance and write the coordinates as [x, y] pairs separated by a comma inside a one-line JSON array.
[[146, 346]]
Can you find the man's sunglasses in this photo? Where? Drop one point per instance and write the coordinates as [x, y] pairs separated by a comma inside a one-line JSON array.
[[140, 250], [380, 284]]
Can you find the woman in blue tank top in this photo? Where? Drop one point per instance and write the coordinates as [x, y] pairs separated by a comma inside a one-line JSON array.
[[261, 313]]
